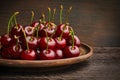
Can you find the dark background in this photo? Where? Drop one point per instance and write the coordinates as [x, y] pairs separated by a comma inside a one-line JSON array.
[[96, 22]]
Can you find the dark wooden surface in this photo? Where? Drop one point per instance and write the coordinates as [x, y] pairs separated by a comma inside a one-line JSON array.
[[96, 22]]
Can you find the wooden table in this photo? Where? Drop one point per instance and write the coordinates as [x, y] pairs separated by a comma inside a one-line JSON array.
[[96, 22]]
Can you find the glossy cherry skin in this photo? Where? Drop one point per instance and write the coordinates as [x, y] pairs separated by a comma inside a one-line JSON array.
[[61, 28], [59, 54], [76, 41], [16, 30], [38, 25], [60, 43], [47, 54], [43, 43], [15, 51], [29, 30], [7, 40], [32, 42], [50, 29], [71, 52], [28, 54]]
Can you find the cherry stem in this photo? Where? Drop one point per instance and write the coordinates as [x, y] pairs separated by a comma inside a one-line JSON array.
[[32, 16], [16, 39], [40, 21], [63, 30], [49, 16], [61, 10], [43, 18], [47, 40], [53, 16], [10, 21], [25, 39], [72, 35], [68, 13]]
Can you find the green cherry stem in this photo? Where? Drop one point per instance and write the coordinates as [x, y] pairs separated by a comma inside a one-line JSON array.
[[72, 35], [61, 11], [32, 16], [49, 14], [47, 40], [10, 21], [43, 17], [37, 28], [53, 16], [25, 39], [68, 13]]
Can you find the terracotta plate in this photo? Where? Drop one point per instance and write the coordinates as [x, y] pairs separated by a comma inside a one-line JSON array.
[[86, 52]]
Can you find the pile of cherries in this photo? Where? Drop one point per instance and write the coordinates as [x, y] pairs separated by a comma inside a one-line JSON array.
[[42, 40]]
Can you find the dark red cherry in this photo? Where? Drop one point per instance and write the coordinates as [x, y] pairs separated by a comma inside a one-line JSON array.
[[61, 28], [32, 42], [29, 30], [59, 54], [28, 55], [38, 24], [43, 43], [47, 54], [16, 30], [50, 29], [15, 51], [5, 54], [76, 41], [60, 43], [70, 51], [7, 40]]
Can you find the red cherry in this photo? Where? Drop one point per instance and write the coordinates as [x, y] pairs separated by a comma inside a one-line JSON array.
[[43, 43], [47, 54], [32, 42], [50, 29], [15, 51], [61, 28], [6, 40], [60, 43], [5, 54], [70, 51], [16, 30], [76, 41], [28, 55], [29, 30], [59, 54]]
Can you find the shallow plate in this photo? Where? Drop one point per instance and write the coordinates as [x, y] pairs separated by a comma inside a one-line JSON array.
[[86, 52]]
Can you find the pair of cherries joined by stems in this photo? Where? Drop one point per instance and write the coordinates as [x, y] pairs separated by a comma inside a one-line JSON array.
[[41, 40]]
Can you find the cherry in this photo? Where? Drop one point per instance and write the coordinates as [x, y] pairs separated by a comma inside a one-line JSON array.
[[47, 54], [5, 54], [32, 42], [63, 30], [76, 41], [7, 40], [43, 43], [70, 51], [16, 30], [15, 51], [60, 43], [28, 55], [50, 30], [29, 30], [59, 54]]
